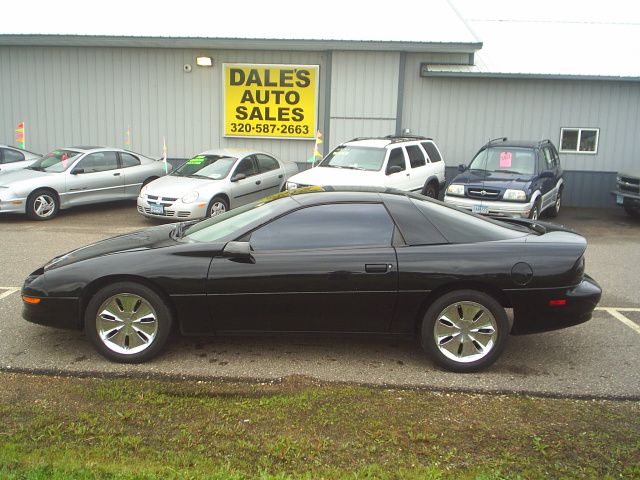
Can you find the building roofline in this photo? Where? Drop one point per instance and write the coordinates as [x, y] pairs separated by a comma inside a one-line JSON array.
[[234, 43], [532, 76]]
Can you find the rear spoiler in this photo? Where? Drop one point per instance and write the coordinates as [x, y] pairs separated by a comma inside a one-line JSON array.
[[538, 226]]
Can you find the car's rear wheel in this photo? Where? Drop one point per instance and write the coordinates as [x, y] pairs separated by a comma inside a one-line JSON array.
[[555, 210], [534, 214], [465, 330], [430, 190], [217, 206], [42, 205], [128, 322]]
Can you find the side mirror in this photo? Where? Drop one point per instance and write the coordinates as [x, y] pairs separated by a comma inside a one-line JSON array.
[[76, 171], [462, 167], [238, 176], [546, 174], [239, 252], [394, 169]]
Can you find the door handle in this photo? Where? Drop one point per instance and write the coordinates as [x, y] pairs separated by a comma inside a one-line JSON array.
[[258, 182], [408, 174], [116, 174], [377, 267], [280, 176]]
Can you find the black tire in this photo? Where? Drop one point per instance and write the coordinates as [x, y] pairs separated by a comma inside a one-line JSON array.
[[534, 214], [217, 205], [430, 190], [138, 338], [451, 352], [555, 210], [632, 211], [42, 204]]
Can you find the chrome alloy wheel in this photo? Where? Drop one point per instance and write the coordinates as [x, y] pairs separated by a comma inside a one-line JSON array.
[[44, 205], [217, 208], [126, 323], [465, 331]]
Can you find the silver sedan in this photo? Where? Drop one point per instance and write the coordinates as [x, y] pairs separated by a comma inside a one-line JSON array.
[[74, 176], [214, 182], [14, 158]]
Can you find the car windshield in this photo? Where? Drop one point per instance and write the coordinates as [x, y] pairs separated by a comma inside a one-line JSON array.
[[210, 166], [56, 161], [355, 158], [505, 159]]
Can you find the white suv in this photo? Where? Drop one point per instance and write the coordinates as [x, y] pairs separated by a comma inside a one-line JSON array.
[[407, 163]]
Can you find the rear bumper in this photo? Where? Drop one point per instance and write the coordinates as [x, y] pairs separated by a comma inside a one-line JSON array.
[[496, 208], [532, 313]]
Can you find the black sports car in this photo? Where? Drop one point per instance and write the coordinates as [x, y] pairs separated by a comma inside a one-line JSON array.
[[323, 260]]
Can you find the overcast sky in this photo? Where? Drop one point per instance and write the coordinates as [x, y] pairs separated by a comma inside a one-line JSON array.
[[329, 19]]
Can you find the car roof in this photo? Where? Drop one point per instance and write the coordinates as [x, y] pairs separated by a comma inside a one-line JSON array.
[[233, 152], [383, 142], [516, 143]]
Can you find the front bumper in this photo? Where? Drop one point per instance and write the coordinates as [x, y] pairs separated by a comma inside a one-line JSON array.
[[58, 312], [177, 210], [626, 199], [495, 208], [533, 314], [15, 205]]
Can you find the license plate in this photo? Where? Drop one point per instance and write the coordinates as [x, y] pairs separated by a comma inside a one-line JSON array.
[[157, 208], [483, 209], [619, 199]]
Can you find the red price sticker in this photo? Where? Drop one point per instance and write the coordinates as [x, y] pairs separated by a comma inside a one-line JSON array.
[[505, 159]]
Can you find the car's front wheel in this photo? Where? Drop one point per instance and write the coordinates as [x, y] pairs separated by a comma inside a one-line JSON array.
[[465, 330], [128, 322], [534, 214], [217, 206], [42, 205]]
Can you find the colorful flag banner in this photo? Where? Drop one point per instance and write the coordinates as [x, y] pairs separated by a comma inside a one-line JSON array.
[[164, 155], [127, 139], [20, 136], [316, 148]]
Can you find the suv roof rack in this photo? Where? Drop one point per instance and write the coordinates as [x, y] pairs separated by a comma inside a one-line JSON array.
[[392, 138]]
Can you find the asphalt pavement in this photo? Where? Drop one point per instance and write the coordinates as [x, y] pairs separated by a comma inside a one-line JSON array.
[[597, 359]]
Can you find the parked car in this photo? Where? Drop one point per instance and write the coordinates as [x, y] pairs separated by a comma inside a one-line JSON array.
[[213, 182], [510, 178], [627, 192], [407, 163], [73, 176], [14, 158], [323, 260]]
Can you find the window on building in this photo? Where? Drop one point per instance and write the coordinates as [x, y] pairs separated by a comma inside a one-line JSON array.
[[579, 140]]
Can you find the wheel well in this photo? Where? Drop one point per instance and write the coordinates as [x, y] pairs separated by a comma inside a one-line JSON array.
[[47, 189], [432, 181], [490, 290], [224, 196], [149, 180], [92, 288]]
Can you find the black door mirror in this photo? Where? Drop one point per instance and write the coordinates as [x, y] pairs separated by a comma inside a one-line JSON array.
[[76, 171], [394, 169], [239, 252], [462, 167], [238, 176]]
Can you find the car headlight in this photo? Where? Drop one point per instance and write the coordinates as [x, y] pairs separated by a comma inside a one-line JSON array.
[[190, 197], [516, 195], [456, 189], [291, 185]]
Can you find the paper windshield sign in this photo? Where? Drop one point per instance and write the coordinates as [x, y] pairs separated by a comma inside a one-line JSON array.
[[505, 159], [196, 160]]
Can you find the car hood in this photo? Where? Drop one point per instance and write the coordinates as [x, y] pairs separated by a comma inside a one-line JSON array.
[[12, 177], [338, 176], [176, 187], [498, 180], [153, 237]]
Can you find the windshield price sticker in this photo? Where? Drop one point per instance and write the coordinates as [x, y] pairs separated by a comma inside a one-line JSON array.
[[278, 101], [196, 160], [505, 159]]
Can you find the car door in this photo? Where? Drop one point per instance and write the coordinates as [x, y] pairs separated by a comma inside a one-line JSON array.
[[96, 177], [548, 180], [272, 173], [246, 182], [396, 171], [133, 175], [320, 268], [418, 167], [12, 160]]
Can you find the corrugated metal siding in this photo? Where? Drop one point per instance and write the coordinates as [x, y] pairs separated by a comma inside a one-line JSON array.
[[75, 96], [364, 94], [462, 114]]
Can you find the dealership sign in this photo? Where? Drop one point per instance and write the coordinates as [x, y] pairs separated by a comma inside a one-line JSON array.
[[270, 100]]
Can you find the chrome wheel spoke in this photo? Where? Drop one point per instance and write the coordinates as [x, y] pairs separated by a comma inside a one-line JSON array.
[[148, 329], [450, 343]]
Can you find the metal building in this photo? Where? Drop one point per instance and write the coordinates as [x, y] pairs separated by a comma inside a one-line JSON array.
[[478, 81]]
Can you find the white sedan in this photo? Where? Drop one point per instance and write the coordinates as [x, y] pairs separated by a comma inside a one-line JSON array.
[[213, 182], [14, 158]]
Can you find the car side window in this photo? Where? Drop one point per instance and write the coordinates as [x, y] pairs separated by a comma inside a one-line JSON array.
[[99, 162], [246, 166], [128, 160], [267, 163], [416, 157], [11, 156], [396, 159], [549, 163], [327, 226], [432, 151]]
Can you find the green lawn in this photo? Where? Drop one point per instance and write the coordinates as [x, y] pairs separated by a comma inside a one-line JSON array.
[[65, 428]]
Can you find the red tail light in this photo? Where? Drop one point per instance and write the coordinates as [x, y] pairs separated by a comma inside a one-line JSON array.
[[557, 303]]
